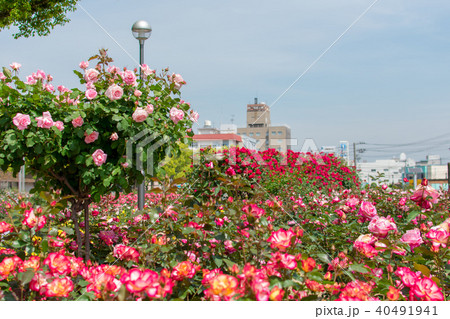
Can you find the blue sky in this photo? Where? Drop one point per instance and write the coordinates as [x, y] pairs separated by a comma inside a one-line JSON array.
[[386, 81]]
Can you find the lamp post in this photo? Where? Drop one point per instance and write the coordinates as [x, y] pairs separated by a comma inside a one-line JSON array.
[[141, 31]]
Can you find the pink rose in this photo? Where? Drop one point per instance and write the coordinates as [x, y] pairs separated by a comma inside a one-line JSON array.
[[368, 210], [380, 226], [139, 115], [146, 70], [30, 80], [149, 108], [91, 75], [413, 238], [90, 138], [83, 64], [114, 137], [176, 114], [439, 237], [194, 116], [425, 196], [39, 75], [21, 121], [59, 125], [177, 80], [99, 157], [427, 290], [2, 76], [91, 94], [45, 121], [114, 92], [15, 66], [129, 77], [113, 69], [77, 122], [137, 93], [48, 87]]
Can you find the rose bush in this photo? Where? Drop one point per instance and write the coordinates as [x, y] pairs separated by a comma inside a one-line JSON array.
[[227, 240], [75, 140]]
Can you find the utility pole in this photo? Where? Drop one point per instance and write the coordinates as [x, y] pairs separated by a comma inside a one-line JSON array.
[[354, 154]]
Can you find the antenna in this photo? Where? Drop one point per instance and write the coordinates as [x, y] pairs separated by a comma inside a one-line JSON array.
[[232, 119]]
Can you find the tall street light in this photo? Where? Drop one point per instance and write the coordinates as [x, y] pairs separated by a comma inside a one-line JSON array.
[[141, 30]]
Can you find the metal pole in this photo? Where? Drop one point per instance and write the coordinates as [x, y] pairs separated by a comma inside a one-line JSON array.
[[354, 154], [141, 187], [448, 177]]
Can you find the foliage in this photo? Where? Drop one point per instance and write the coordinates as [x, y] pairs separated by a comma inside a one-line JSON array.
[[237, 243], [34, 17], [75, 141], [177, 166]]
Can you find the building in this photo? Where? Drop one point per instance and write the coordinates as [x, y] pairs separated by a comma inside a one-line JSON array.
[[226, 136], [7, 181], [260, 128], [393, 170]]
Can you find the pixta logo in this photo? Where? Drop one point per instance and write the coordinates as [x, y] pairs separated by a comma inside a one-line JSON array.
[[145, 142]]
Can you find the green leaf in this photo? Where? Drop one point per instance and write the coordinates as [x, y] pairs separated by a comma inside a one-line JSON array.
[[27, 276], [218, 261], [423, 269], [412, 215], [315, 275], [358, 268]]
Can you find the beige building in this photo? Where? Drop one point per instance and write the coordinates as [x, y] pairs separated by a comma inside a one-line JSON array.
[[259, 127]]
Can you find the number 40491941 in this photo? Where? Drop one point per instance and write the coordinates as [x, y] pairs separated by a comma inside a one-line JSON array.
[[407, 310]]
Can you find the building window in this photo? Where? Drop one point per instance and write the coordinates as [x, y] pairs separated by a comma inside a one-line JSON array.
[[226, 143], [250, 134], [386, 170], [274, 133], [280, 141], [373, 170], [280, 133], [257, 134]]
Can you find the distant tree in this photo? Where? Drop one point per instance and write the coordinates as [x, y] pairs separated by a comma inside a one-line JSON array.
[[177, 166], [34, 17]]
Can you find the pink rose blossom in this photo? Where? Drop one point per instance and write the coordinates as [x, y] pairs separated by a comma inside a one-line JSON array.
[[30, 80], [129, 77], [413, 238], [114, 137], [91, 75], [149, 108], [425, 196], [99, 157], [177, 80], [45, 121], [114, 92], [2, 76], [90, 138], [427, 290], [146, 70], [439, 237], [77, 122], [194, 116], [15, 66], [380, 226], [39, 75], [113, 69], [91, 94], [21, 121], [48, 87], [137, 93], [139, 115], [59, 125], [368, 210], [176, 114], [83, 65]]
